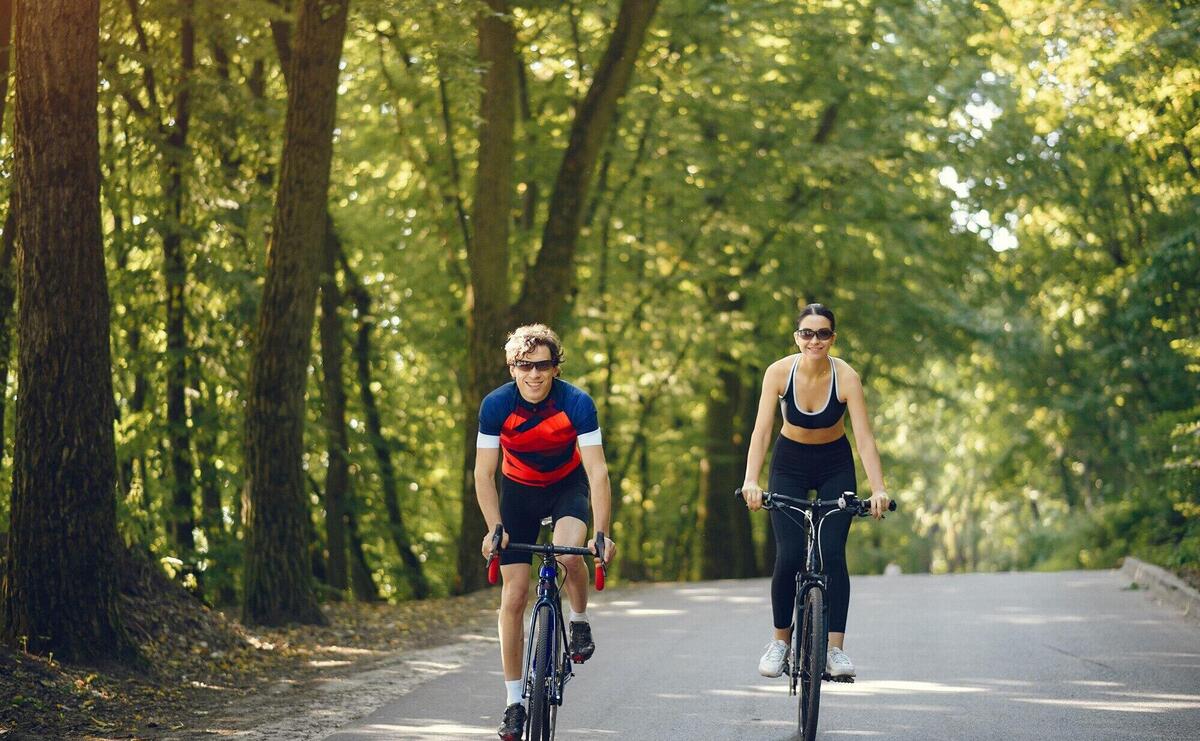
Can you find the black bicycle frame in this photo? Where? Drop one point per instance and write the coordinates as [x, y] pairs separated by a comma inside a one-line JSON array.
[[548, 595], [812, 577], [808, 579]]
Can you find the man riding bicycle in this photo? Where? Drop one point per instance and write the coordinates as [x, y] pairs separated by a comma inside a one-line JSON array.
[[549, 437]]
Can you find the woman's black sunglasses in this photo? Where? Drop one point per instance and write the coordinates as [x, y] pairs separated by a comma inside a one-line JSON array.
[[821, 334]]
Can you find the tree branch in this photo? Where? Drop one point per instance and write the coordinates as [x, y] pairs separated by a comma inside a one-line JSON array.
[[147, 69], [281, 34], [549, 282]]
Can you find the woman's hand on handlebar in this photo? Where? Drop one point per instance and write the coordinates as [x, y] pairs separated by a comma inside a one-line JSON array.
[[879, 504], [752, 493], [487, 543]]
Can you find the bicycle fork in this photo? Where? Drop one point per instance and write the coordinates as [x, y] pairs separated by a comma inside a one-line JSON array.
[[545, 608], [794, 664]]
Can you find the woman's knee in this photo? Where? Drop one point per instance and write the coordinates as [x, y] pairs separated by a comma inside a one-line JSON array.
[[834, 565], [788, 563]]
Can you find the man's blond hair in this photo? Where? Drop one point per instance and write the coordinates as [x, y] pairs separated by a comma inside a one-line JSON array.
[[524, 339]]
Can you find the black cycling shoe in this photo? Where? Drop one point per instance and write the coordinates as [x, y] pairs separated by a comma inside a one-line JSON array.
[[582, 645], [514, 722]]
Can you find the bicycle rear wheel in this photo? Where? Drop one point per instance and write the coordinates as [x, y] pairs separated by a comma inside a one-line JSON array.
[[809, 638], [541, 727]]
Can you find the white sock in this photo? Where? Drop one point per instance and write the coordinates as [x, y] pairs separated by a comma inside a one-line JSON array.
[[579, 617], [513, 688]]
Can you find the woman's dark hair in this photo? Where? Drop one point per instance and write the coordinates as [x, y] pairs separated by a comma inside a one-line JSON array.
[[817, 310]]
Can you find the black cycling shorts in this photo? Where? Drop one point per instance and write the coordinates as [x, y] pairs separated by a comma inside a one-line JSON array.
[[523, 507]]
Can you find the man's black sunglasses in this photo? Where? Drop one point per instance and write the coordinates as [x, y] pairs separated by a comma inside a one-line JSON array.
[[528, 365]]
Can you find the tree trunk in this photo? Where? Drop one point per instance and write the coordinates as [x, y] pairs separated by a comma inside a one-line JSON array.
[[487, 295], [7, 285], [727, 551], [219, 586], [278, 587], [204, 412], [183, 516], [361, 583], [8, 295], [333, 407], [635, 568], [129, 463], [6, 16], [60, 589], [414, 570]]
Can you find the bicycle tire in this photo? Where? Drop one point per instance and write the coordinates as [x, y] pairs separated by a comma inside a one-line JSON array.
[[555, 688], [540, 723], [810, 639]]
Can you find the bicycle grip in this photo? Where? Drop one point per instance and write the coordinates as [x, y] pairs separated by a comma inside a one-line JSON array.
[[494, 562], [865, 510], [766, 498], [599, 542]]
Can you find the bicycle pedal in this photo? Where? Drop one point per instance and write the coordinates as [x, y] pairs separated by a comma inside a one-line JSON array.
[[578, 658], [844, 680]]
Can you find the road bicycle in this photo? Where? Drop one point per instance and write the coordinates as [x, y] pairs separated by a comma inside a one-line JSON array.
[[805, 664], [547, 656]]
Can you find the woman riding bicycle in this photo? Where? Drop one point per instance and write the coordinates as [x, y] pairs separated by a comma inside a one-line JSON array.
[[813, 390], [552, 457]]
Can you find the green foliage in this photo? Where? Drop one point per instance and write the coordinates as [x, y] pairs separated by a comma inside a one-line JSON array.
[[999, 200]]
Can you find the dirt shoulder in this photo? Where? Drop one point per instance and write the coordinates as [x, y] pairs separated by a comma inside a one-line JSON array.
[[207, 676]]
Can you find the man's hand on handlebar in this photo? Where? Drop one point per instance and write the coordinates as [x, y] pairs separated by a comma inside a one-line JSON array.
[[489, 538], [610, 549]]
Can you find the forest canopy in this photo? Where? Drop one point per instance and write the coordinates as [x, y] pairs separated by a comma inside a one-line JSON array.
[[1000, 201]]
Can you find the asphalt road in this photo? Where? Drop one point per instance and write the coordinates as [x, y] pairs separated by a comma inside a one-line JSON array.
[[1069, 655]]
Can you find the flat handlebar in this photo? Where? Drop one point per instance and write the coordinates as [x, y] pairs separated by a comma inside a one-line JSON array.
[[848, 501], [547, 549]]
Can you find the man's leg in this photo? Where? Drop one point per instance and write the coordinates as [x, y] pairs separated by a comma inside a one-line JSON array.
[[512, 616], [571, 531]]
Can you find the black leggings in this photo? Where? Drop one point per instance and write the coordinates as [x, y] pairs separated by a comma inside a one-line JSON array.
[[795, 469]]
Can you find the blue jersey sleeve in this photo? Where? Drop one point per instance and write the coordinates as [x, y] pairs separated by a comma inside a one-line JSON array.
[[493, 411], [581, 410]]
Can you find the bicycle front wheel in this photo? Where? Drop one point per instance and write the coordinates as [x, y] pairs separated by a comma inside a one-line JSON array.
[[809, 640], [540, 724]]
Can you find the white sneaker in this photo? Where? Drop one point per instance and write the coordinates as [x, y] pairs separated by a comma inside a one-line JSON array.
[[771, 663], [838, 664]]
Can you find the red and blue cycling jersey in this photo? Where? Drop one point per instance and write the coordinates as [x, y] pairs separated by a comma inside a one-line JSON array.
[[538, 440]]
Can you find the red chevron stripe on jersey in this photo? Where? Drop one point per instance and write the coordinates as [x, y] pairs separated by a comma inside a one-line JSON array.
[[539, 447], [538, 441]]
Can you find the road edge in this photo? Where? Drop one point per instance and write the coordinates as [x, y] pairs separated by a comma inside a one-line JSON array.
[[1165, 586]]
